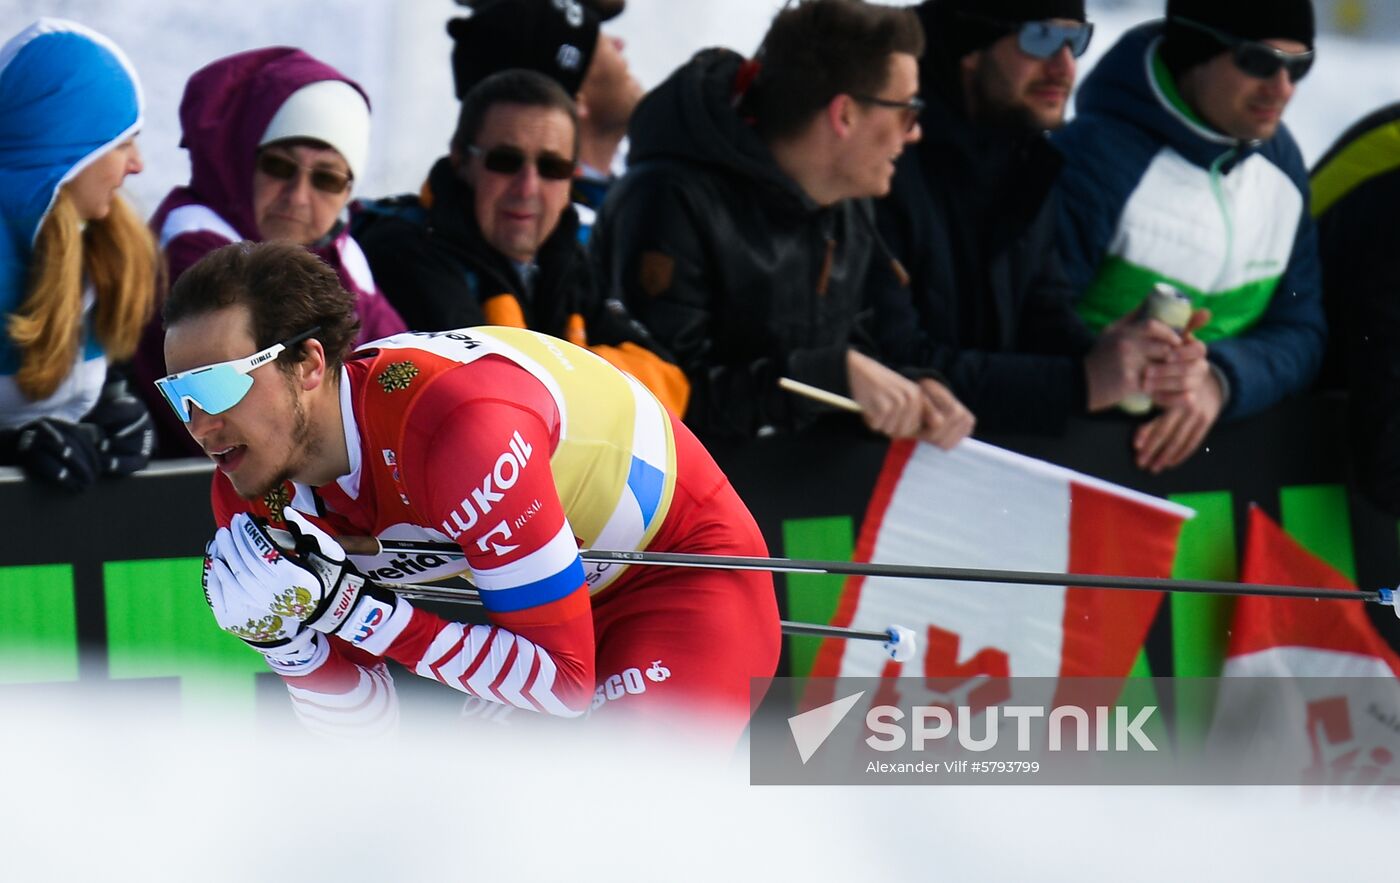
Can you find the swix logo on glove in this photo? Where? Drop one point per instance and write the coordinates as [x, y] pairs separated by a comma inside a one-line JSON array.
[[349, 588]]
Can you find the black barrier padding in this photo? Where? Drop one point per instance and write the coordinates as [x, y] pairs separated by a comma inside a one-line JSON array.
[[828, 471]]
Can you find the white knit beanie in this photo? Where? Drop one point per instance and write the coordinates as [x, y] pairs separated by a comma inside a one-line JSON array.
[[332, 111]]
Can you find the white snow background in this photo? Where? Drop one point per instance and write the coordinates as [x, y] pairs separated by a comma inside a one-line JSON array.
[[94, 795]]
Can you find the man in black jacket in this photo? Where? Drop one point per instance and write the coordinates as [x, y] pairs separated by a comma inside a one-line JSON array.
[[1355, 188], [563, 40], [740, 235], [971, 219], [493, 239]]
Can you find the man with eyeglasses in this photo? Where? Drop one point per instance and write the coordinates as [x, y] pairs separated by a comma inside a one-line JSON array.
[[517, 447], [1178, 169], [277, 140], [972, 220], [492, 240], [742, 235]]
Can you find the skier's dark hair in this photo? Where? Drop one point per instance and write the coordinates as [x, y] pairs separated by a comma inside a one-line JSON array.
[[287, 290]]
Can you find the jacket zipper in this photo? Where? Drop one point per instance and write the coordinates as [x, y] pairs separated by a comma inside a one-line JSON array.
[[1217, 189]]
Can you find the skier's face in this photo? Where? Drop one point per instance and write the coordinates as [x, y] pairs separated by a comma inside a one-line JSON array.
[[1235, 103], [1004, 85], [520, 170], [265, 438]]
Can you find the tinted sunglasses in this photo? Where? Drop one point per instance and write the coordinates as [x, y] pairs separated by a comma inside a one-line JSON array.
[[218, 387], [1042, 39], [285, 169], [507, 160], [1254, 58], [910, 109]]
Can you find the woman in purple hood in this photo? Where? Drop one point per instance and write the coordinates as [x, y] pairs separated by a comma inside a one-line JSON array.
[[276, 141]]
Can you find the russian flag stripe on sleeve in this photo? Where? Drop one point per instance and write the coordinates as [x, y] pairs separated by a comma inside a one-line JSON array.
[[546, 561], [551, 572], [534, 594]]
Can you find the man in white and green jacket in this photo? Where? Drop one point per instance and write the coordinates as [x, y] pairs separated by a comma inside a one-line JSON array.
[[1178, 169]]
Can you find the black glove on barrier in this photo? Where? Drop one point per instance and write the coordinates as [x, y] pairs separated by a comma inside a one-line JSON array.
[[59, 452], [127, 434]]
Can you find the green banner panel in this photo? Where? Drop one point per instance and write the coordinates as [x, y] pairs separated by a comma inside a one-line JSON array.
[[1201, 623], [1318, 517], [158, 625], [38, 626], [813, 597]]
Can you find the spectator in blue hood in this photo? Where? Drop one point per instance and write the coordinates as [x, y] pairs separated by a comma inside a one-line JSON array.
[[77, 265], [1178, 169]]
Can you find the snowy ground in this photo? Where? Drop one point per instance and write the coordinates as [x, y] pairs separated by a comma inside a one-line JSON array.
[[399, 52], [104, 797]]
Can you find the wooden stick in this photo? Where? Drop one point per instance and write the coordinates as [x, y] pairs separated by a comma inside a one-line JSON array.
[[819, 395]]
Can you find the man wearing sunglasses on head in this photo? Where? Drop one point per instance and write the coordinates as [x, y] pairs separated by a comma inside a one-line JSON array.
[[972, 219], [277, 140], [518, 447], [492, 240], [742, 234], [1178, 169]]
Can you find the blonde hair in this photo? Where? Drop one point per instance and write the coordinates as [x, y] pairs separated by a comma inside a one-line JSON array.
[[118, 255]]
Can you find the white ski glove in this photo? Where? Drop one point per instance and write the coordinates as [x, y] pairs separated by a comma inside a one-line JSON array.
[[256, 591]]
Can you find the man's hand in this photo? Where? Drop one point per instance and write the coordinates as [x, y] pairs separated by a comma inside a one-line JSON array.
[[344, 584], [1115, 367], [254, 589], [265, 592], [1178, 379], [1169, 438], [891, 404], [947, 421]]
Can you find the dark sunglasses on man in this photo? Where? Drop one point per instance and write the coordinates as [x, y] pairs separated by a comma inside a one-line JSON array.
[[1255, 58], [284, 168], [507, 160], [1042, 39], [909, 110]]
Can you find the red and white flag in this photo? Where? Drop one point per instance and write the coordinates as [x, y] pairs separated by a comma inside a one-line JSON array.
[[1336, 717], [1280, 637], [979, 506]]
